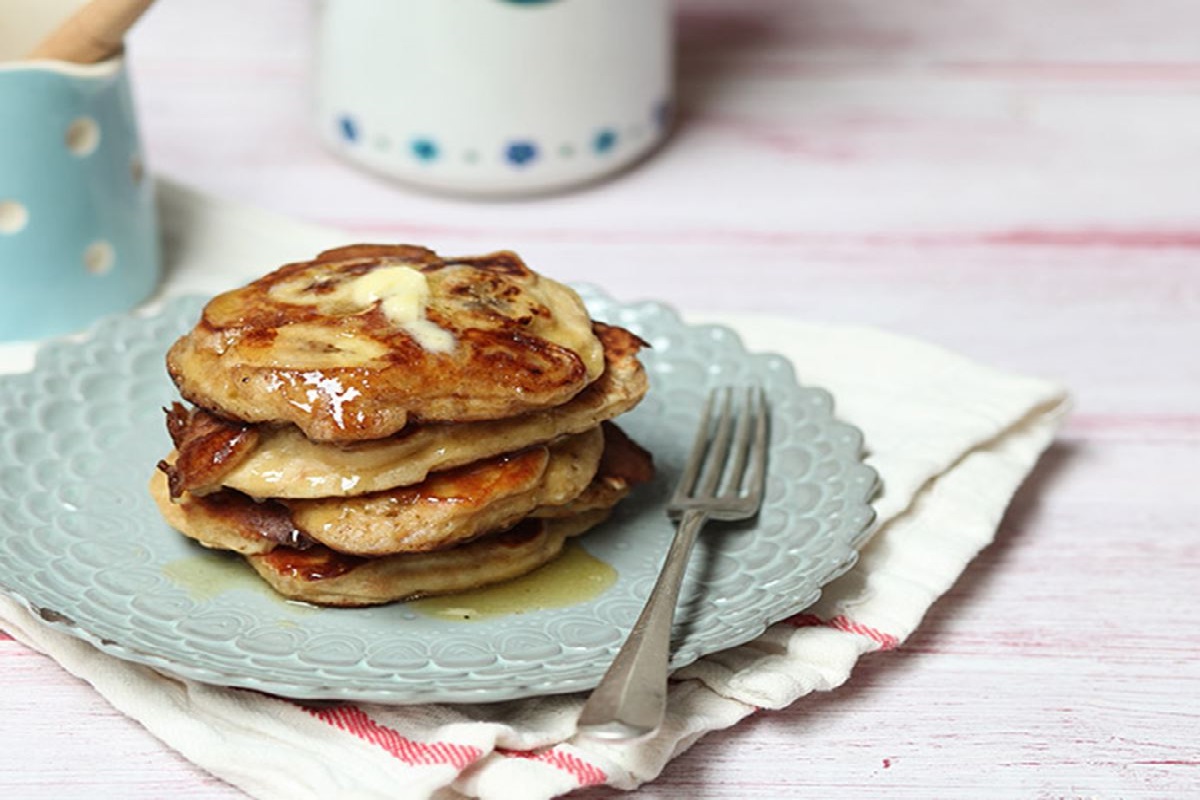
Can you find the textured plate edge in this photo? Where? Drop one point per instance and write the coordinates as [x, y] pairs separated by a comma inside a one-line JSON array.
[[60, 623]]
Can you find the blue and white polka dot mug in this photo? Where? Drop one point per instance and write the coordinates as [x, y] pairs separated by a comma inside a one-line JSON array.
[[78, 234], [495, 97]]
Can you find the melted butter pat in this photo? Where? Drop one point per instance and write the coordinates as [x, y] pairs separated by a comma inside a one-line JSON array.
[[402, 293], [430, 336], [574, 577]]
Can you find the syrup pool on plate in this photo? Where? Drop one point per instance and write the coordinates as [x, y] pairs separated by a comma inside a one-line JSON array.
[[574, 577]]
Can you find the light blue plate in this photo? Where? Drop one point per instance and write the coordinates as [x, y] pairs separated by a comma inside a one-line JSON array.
[[83, 546]]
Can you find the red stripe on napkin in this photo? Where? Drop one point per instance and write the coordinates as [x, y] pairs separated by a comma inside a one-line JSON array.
[[354, 720], [583, 772], [886, 641], [4, 637]]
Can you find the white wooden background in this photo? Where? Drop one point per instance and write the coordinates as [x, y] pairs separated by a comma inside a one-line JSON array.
[[1017, 180]]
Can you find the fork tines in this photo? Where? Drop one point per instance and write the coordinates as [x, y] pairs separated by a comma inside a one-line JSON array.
[[727, 466]]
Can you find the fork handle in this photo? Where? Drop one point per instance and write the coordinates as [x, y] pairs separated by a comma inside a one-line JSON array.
[[631, 699]]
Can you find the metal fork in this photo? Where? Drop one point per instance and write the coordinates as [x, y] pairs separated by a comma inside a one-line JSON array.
[[722, 480]]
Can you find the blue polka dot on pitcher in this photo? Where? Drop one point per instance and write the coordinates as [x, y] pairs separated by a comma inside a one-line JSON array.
[[604, 141], [520, 153], [425, 149], [348, 128]]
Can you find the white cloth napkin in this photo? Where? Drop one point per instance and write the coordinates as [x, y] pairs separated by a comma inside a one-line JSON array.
[[951, 440]]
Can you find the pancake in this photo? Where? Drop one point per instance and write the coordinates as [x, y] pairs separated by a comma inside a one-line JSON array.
[[445, 510], [359, 342], [281, 461], [228, 520], [454, 506], [325, 577], [623, 465]]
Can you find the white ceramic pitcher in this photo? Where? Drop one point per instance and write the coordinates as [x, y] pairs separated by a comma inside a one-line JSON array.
[[496, 97]]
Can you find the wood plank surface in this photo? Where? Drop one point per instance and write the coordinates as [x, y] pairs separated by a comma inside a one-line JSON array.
[[1016, 181]]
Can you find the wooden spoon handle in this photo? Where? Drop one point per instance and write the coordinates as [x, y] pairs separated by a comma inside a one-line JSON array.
[[93, 33]]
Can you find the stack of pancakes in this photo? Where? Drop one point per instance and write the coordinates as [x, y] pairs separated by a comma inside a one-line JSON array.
[[381, 424]]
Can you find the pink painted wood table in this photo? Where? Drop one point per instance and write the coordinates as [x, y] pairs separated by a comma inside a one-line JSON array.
[[1017, 181]]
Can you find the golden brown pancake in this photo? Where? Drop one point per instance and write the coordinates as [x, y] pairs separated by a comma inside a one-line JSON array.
[[282, 462], [452, 507], [228, 520], [623, 465], [444, 510], [347, 348], [324, 577]]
